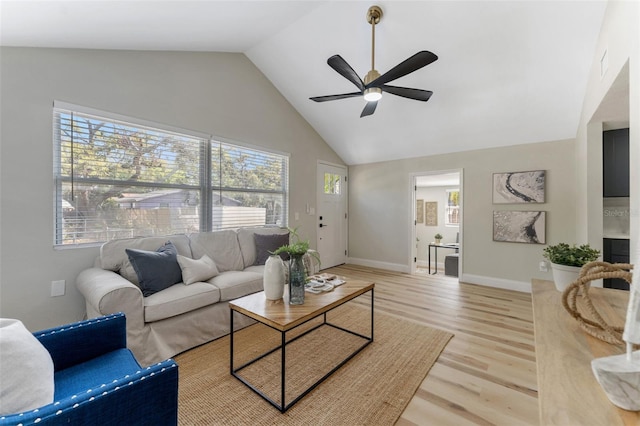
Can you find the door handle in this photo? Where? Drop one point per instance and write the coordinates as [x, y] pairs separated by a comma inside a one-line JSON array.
[[323, 226]]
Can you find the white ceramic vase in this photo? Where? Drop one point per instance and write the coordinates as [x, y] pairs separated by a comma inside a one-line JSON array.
[[564, 275], [274, 277]]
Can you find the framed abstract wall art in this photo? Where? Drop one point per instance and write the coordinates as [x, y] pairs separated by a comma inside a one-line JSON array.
[[419, 211], [519, 227], [519, 187]]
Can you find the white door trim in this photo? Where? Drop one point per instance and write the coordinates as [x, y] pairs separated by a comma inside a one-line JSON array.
[[413, 253], [346, 205]]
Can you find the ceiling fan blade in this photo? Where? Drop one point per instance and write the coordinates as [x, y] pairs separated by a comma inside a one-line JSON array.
[[417, 61], [369, 108], [344, 69], [407, 92], [335, 97]]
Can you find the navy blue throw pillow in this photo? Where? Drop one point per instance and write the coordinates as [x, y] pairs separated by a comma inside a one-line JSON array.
[[156, 270]]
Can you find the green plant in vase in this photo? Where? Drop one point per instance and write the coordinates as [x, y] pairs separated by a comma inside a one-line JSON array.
[[297, 274], [438, 238]]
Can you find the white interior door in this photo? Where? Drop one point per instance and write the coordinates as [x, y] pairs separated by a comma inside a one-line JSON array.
[[332, 214]]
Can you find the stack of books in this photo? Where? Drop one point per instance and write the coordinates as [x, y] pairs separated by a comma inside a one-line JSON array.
[[322, 283]]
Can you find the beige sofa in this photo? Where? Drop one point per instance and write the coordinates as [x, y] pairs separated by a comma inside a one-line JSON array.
[[182, 316]]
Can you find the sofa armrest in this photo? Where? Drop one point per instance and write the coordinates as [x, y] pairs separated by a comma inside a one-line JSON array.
[[144, 397], [79, 342], [106, 292]]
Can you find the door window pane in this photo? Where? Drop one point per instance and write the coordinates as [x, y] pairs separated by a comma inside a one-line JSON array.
[[332, 183]]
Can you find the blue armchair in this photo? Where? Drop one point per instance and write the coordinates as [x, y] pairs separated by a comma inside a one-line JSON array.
[[99, 382]]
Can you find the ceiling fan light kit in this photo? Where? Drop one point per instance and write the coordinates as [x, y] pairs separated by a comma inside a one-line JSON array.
[[374, 83], [372, 93]]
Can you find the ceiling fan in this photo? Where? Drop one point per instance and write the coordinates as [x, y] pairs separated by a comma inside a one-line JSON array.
[[374, 83]]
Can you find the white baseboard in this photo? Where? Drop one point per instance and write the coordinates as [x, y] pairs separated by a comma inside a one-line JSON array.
[[523, 287], [380, 265]]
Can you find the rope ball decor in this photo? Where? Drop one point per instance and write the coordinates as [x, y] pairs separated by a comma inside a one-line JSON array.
[[597, 326]]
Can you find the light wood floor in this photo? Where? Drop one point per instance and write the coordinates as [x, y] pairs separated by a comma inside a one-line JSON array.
[[487, 373]]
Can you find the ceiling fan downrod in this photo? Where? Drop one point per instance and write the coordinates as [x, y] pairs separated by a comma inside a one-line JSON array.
[[374, 14]]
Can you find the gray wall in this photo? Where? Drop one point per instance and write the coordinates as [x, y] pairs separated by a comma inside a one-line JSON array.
[[574, 178], [222, 94], [380, 193]]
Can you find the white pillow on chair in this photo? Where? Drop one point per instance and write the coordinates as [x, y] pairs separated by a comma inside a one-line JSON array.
[[26, 369]]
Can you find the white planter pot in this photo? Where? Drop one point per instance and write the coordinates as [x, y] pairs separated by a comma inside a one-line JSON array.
[[274, 278], [564, 275]]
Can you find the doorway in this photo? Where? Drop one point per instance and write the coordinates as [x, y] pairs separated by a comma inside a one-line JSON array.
[[436, 208], [332, 214]]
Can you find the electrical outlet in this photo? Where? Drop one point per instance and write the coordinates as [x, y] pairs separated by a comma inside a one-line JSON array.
[[543, 266], [57, 288]]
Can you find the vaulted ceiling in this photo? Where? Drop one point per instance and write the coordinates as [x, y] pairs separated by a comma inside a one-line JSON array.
[[509, 72]]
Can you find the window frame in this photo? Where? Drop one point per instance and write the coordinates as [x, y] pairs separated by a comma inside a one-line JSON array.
[[447, 208], [205, 186]]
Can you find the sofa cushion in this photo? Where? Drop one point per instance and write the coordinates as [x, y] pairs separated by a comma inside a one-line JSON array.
[[156, 270], [221, 246], [197, 270], [113, 256], [267, 244], [234, 284], [178, 299], [26, 369], [255, 268], [247, 241]]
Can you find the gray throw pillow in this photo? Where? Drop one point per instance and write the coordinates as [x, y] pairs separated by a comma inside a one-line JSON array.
[[156, 270], [266, 243]]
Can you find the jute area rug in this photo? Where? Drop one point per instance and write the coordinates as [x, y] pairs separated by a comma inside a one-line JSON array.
[[373, 388]]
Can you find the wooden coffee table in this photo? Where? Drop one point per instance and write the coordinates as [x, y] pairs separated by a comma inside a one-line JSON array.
[[281, 316]]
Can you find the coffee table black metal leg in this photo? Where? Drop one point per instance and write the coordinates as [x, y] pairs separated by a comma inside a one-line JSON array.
[[282, 370], [231, 342], [372, 314]]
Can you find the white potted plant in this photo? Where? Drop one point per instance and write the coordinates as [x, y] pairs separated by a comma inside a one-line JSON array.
[[438, 238], [566, 262]]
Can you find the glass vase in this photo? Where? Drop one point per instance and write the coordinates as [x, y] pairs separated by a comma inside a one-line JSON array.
[[297, 280]]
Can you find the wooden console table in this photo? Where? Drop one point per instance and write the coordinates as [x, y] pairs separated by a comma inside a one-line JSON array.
[[568, 392]]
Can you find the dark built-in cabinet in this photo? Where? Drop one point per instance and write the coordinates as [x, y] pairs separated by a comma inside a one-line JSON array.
[[615, 166], [616, 251]]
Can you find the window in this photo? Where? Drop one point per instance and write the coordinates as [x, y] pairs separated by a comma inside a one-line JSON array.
[[117, 177], [249, 187], [332, 183], [452, 209]]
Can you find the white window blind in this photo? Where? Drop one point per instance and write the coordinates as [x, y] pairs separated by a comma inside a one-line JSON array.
[[249, 186], [118, 177]]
